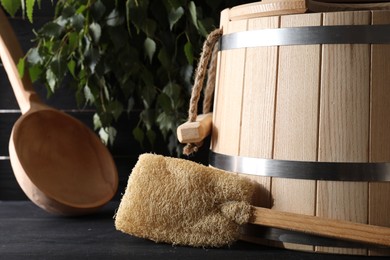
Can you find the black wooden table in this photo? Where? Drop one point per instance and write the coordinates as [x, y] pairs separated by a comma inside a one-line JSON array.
[[27, 232]]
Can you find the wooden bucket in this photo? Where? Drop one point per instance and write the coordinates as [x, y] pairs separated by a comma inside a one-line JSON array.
[[308, 120]]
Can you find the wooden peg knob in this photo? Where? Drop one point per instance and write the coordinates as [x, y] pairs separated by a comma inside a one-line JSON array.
[[195, 132]]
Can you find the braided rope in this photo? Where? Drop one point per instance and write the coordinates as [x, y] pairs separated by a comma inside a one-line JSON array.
[[200, 75], [208, 56], [210, 84]]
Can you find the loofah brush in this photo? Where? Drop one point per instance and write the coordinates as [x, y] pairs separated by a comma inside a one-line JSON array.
[[184, 203]]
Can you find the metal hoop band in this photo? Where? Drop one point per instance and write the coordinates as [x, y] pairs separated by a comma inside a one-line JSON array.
[[341, 34], [330, 171], [286, 236]]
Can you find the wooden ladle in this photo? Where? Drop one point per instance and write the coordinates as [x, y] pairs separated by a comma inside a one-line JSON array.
[[61, 165]]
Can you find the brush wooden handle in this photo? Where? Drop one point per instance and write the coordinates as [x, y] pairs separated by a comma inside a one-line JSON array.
[[331, 228], [195, 132]]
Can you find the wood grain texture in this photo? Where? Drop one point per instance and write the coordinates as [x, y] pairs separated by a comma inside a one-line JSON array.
[[194, 132], [257, 125], [258, 107], [322, 6], [345, 91], [267, 8], [229, 91], [227, 130], [379, 206], [341, 119], [296, 122], [296, 125], [344, 123], [338, 229], [219, 82]]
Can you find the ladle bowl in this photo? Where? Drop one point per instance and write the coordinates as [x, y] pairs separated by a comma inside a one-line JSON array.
[[60, 164]]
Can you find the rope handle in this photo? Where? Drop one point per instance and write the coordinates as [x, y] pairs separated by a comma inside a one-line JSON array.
[[206, 65]]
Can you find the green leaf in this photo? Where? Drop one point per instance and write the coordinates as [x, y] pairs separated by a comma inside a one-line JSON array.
[[138, 134], [72, 67], [137, 13], [169, 4], [73, 41], [103, 84], [29, 9], [21, 66], [174, 16], [151, 71], [68, 12], [165, 122], [149, 27], [51, 80], [193, 13], [11, 6], [130, 104], [151, 135], [35, 72], [112, 134], [165, 102], [118, 38], [82, 8], [208, 24], [150, 48], [148, 95], [186, 73], [92, 58], [114, 18], [188, 51], [147, 78], [58, 66], [105, 118], [104, 137], [148, 117], [202, 30], [96, 121], [78, 22], [172, 90], [164, 58], [89, 95], [96, 32], [97, 10], [115, 108], [33, 56], [51, 29], [107, 135]]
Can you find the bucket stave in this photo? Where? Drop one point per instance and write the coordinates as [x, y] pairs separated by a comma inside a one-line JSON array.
[[308, 103]]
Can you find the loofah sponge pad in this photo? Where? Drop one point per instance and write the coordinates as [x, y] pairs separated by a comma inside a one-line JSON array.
[[184, 203]]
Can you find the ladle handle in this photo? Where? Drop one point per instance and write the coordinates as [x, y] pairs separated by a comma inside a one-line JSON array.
[[10, 53]]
